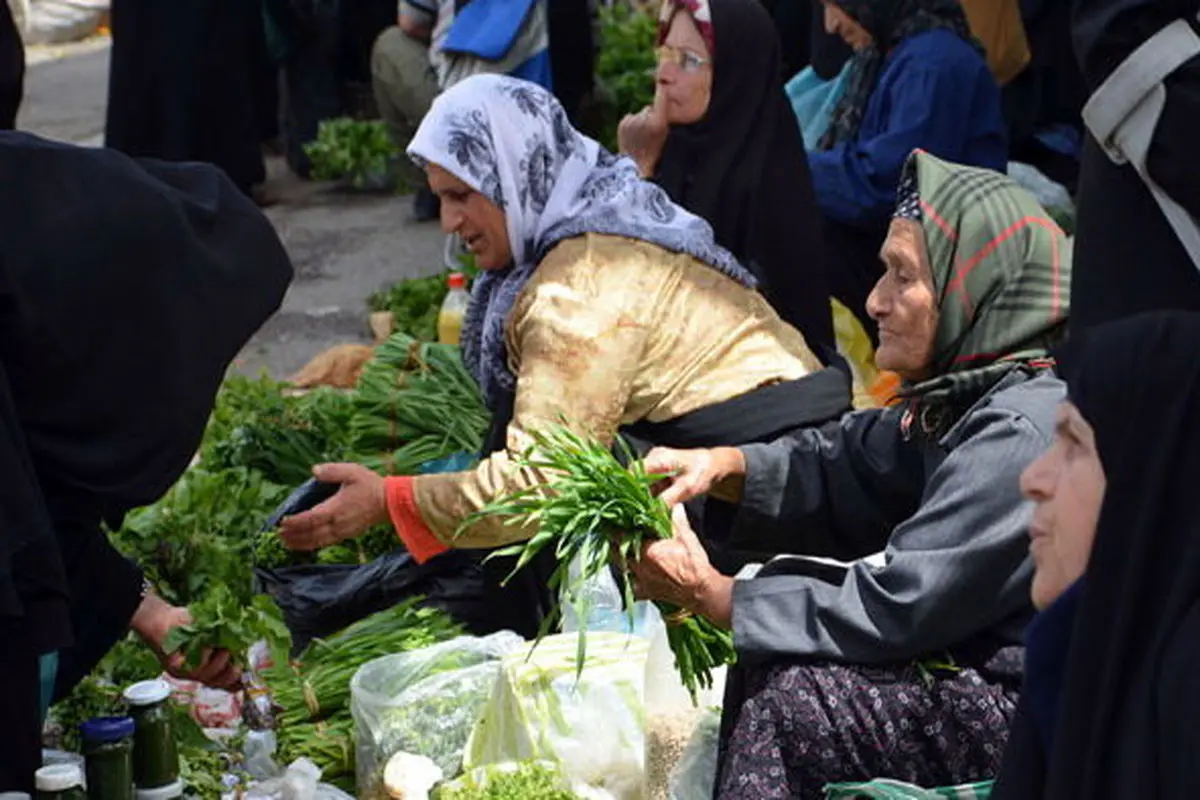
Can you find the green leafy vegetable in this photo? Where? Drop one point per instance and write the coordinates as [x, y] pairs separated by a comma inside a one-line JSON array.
[[223, 621], [360, 151], [626, 62], [500, 782], [589, 507]]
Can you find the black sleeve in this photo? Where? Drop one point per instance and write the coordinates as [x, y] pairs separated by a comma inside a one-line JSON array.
[[1172, 161]]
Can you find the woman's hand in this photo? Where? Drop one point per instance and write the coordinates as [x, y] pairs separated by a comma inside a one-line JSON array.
[[153, 622], [642, 136], [359, 504], [677, 571], [720, 470]]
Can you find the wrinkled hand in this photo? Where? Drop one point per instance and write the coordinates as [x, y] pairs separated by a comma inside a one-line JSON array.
[[678, 571], [154, 621], [642, 136], [693, 472], [359, 504]]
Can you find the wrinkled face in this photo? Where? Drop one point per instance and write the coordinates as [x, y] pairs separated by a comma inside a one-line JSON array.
[[904, 304], [685, 73], [1067, 484], [839, 23], [476, 219]]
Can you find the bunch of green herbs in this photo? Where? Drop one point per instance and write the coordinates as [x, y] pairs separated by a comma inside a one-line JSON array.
[[359, 152], [626, 62]]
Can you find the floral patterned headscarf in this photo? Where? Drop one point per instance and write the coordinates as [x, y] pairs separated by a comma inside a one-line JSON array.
[[700, 13], [510, 140]]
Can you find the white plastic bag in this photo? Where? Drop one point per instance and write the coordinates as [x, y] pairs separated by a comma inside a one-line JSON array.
[[423, 702], [591, 723], [671, 716]]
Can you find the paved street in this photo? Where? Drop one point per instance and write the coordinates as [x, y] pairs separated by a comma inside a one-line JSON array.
[[343, 247]]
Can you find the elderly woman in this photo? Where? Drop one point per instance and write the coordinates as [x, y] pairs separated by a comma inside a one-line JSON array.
[[904, 666], [721, 139], [601, 302], [1111, 698], [918, 80]]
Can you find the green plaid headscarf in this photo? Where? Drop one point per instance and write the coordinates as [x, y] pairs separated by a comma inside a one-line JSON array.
[[1002, 273]]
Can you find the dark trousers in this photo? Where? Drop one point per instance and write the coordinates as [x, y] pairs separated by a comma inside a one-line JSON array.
[[20, 739]]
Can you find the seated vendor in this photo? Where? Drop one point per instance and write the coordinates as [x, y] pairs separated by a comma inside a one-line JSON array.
[[601, 304], [410, 65], [907, 664], [1111, 695], [918, 80]]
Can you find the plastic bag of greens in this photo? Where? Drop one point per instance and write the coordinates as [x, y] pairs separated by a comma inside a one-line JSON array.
[[590, 721], [423, 702]]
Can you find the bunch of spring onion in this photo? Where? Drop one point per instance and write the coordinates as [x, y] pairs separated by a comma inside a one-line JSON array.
[[315, 686], [415, 402], [589, 506]]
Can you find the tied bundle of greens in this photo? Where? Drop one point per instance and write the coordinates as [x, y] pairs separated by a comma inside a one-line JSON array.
[[222, 621], [590, 506], [316, 686], [625, 64], [358, 151], [415, 403]]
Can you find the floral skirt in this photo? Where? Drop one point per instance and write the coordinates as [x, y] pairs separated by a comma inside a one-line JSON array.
[[791, 728]]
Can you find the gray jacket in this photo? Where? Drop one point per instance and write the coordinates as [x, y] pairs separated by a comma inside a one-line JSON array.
[[948, 516]]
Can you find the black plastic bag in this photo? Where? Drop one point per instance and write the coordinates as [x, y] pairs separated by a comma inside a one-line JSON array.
[[319, 600]]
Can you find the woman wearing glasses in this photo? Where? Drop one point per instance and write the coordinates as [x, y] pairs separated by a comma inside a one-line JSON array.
[[722, 141]]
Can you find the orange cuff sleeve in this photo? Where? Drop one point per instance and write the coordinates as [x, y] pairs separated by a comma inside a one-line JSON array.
[[406, 518]]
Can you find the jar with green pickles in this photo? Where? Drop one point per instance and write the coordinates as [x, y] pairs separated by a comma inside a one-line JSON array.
[[155, 756], [59, 782], [108, 754]]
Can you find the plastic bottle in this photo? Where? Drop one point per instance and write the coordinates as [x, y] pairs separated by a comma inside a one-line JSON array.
[[454, 308]]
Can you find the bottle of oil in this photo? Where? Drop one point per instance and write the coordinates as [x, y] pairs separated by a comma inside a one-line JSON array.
[[454, 308]]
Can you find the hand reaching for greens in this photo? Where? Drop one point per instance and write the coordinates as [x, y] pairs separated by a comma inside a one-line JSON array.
[[157, 621], [677, 571], [720, 471], [359, 505]]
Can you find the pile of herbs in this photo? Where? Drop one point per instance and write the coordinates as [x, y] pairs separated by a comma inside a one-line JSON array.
[[499, 782], [415, 302], [626, 63], [359, 152], [590, 507]]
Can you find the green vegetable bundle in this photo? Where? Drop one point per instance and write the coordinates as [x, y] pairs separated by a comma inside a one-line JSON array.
[[328, 744], [359, 151], [415, 302], [509, 782], [223, 621], [625, 64], [590, 507], [415, 402], [316, 685]]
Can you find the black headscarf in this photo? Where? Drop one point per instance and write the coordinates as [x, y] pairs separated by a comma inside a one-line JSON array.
[[743, 168], [126, 290], [889, 22], [1129, 696]]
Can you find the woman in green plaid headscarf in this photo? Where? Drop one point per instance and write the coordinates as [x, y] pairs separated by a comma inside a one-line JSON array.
[[906, 665], [999, 268]]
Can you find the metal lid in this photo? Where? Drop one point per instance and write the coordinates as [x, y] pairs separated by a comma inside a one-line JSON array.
[[107, 729], [57, 778], [148, 693], [168, 792]]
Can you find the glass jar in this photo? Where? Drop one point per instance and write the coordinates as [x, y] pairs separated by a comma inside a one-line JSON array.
[[108, 753], [60, 782], [155, 757]]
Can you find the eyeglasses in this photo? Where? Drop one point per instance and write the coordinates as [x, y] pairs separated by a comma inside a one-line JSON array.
[[684, 59]]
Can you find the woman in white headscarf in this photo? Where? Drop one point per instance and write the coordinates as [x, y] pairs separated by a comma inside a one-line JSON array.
[[601, 303]]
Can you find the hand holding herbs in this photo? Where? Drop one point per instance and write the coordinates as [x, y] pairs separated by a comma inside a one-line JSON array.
[[591, 508]]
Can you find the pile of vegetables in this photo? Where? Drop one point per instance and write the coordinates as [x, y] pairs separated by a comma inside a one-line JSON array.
[[312, 691], [626, 63], [589, 507], [509, 782], [414, 303], [359, 152]]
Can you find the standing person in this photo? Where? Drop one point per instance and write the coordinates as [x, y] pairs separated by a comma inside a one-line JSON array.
[[918, 79], [12, 68], [182, 85], [125, 292], [723, 142], [1129, 258]]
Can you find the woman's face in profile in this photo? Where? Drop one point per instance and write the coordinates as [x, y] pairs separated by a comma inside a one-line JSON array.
[[904, 304], [1067, 483], [685, 72]]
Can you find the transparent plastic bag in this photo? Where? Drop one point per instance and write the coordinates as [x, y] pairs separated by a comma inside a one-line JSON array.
[[671, 716], [591, 723], [695, 776], [423, 702]]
